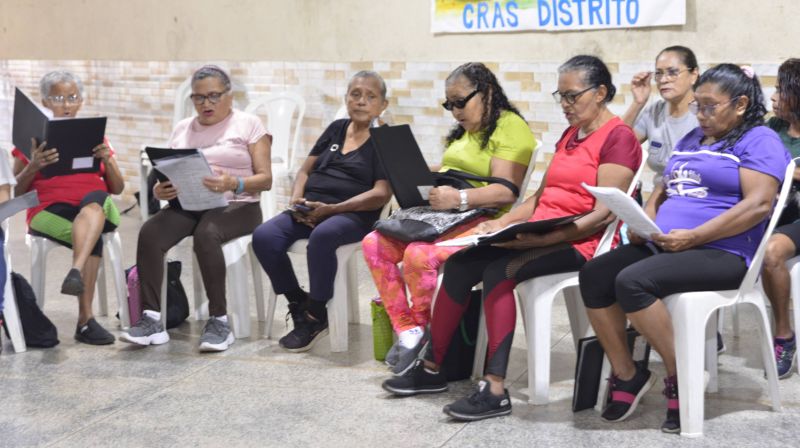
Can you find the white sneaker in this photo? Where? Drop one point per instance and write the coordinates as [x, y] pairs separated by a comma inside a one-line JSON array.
[[147, 331]]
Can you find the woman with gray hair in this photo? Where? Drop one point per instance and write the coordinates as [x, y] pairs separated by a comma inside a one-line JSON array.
[[237, 148], [336, 198], [74, 209]]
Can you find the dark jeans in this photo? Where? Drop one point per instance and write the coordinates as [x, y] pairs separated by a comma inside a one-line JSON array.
[[272, 239], [210, 229], [636, 276], [500, 270]]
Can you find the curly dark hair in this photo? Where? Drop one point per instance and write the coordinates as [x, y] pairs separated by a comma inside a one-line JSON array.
[[484, 81], [789, 88], [732, 80]]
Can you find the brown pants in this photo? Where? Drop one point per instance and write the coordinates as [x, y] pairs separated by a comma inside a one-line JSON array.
[[210, 228]]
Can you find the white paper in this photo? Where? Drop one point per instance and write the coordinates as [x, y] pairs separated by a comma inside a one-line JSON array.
[[626, 209], [424, 191], [79, 163], [471, 240], [18, 204], [186, 174]]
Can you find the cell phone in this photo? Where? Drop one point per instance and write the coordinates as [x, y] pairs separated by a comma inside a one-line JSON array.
[[300, 208]]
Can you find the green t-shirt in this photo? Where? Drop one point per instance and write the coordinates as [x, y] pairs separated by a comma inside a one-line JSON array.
[[792, 144], [512, 140]]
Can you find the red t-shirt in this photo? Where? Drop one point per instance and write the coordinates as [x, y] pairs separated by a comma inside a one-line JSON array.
[[69, 189], [576, 161]]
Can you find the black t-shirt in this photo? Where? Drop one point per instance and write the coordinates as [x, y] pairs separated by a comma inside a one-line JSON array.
[[337, 177]]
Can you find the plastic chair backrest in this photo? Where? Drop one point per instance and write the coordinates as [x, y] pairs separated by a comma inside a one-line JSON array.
[[528, 173], [755, 264], [608, 236], [183, 107], [281, 107]]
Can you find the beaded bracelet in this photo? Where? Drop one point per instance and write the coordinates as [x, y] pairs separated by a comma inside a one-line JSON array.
[[240, 187]]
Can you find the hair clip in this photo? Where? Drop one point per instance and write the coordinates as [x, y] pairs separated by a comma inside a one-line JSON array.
[[748, 71]]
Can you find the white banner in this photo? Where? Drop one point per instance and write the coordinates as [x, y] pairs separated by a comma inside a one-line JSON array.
[[466, 16]]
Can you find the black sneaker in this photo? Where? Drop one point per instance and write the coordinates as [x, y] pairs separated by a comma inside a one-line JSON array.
[[92, 333], [297, 313], [417, 380], [672, 424], [73, 284], [624, 396], [480, 404], [305, 334]]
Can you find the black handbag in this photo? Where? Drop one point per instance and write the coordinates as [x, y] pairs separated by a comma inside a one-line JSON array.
[[423, 223]]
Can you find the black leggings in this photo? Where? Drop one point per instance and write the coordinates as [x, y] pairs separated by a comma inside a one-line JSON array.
[[500, 270], [636, 276]]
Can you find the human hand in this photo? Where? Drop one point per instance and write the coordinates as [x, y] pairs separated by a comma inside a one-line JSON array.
[[41, 157], [444, 198], [490, 226], [676, 240], [640, 87], [164, 191], [319, 211], [221, 182], [102, 152]]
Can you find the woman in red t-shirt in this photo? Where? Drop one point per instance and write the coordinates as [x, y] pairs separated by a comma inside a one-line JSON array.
[[74, 209], [598, 148]]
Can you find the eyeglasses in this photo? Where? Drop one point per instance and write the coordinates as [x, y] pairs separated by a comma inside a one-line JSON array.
[[670, 73], [459, 104], [62, 100], [356, 95], [213, 97], [570, 98], [708, 109]]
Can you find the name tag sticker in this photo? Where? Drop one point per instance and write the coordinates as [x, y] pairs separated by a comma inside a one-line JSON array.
[[79, 163], [655, 144]]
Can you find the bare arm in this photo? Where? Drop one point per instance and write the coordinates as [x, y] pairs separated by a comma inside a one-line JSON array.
[[758, 195], [5, 192], [25, 172], [493, 195], [640, 88], [112, 177], [299, 187]]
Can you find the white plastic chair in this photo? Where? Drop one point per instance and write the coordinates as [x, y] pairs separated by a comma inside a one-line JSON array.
[[112, 246], [691, 313], [281, 108], [536, 298], [10, 310], [794, 273]]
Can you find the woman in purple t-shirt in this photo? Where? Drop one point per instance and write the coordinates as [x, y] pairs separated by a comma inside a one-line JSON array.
[[717, 192]]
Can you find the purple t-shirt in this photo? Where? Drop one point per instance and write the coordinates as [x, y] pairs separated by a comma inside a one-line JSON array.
[[703, 182]]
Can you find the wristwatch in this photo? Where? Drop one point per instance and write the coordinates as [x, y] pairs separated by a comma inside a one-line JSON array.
[[464, 205]]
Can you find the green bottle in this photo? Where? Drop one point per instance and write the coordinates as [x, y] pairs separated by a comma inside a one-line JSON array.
[[382, 333]]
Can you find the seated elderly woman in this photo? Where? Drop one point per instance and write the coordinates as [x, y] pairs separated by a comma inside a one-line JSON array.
[[336, 198], [237, 148], [718, 189], [75, 209], [597, 148]]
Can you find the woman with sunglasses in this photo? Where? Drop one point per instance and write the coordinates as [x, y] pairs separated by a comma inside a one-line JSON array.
[[337, 196], [237, 147], [490, 138], [75, 209], [597, 148], [716, 195], [785, 242]]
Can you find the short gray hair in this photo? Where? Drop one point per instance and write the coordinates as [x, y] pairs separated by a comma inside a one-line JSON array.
[[212, 71], [57, 77], [369, 74]]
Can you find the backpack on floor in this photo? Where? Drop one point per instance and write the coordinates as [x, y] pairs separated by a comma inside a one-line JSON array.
[[457, 363], [38, 330], [177, 302]]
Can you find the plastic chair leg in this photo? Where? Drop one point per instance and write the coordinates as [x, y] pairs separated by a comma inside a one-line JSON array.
[[144, 192], [100, 290], [11, 313], [113, 246], [38, 268], [164, 296], [481, 345], [200, 313], [352, 288], [337, 313], [690, 327], [711, 364], [272, 300], [258, 284], [539, 319], [767, 353], [238, 301], [795, 291], [578, 319]]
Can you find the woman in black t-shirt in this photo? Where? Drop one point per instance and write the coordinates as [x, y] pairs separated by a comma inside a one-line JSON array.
[[337, 196]]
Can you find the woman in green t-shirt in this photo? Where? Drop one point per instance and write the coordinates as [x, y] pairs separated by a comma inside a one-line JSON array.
[[785, 242], [490, 138]]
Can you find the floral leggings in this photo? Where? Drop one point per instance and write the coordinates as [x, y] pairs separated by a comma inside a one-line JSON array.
[[421, 262]]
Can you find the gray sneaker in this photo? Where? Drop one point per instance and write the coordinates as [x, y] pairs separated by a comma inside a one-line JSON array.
[[147, 331], [393, 355], [217, 336], [407, 356]]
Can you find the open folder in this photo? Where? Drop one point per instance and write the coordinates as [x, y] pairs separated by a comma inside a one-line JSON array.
[[510, 232], [626, 209], [186, 169], [75, 138]]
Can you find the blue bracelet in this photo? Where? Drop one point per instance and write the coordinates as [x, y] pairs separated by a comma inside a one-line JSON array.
[[240, 187]]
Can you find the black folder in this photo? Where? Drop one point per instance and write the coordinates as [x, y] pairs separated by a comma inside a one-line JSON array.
[[541, 226], [403, 163], [165, 153], [75, 138]]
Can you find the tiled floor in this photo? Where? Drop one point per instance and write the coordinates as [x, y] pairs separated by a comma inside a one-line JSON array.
[[255, 394]]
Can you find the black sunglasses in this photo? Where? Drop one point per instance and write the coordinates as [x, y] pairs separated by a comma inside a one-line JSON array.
[[459, 104]]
